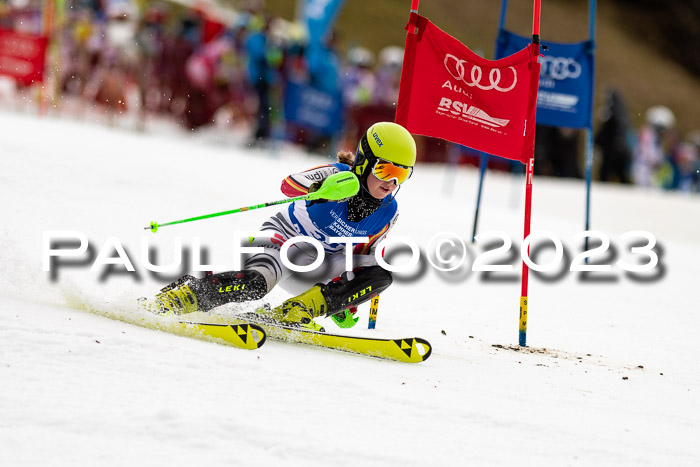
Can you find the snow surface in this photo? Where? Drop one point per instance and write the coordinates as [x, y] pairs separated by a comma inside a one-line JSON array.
[[610, 375]]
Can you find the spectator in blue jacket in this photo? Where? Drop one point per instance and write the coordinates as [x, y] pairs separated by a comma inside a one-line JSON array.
[[260, 73]]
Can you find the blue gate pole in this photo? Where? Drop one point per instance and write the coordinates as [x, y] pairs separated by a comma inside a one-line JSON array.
[[484, 156], [482, 171], [502, 21], [589, 131], [589, 175]]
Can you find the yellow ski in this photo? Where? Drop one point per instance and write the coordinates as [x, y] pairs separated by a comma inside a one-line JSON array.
[[409, 350], [243, 335], [239, 334]]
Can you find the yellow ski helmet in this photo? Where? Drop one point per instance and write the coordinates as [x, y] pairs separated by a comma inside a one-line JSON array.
[[385, 142]]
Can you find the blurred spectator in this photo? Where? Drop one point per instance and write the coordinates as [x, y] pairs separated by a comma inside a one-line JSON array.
[[324, 65], [556, 152], [23, 16], [178, 50], [207, 93], [260, 73], [189, 66], [113, 43], [296, 66], [388, 76], [319, 69], [358, 85], [612, 140], [690, 178], [359, 81], [650, 151], [150, 39], [231, 72], [76, 55], [687, 167], [668, 174]]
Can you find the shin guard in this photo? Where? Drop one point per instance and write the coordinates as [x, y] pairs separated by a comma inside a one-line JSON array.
[[190, 294], [355, 287]]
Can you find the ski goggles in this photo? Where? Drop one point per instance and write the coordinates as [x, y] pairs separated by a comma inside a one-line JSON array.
[[387, 171]]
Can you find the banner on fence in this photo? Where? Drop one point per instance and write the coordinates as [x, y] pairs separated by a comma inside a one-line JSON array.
[[309, 107], [22, 56]]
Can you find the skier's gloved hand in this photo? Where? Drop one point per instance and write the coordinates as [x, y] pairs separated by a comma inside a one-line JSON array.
[[315, 186]]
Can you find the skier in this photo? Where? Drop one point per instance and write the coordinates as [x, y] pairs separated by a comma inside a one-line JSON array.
[[384, 160]]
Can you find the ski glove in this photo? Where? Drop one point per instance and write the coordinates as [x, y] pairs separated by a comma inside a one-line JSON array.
[[315, 187]]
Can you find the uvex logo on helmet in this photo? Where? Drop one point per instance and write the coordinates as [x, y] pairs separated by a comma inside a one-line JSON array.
[[377, 139], [456, 68]]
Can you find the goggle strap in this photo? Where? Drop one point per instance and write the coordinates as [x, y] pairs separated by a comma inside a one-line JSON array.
[[366, 149]]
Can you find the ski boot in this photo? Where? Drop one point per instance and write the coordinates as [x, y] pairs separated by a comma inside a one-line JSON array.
[[174, 299], [189, 294], [302, 309], [339, 296]]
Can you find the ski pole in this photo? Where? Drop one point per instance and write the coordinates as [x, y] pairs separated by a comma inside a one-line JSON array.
[[336, 187]]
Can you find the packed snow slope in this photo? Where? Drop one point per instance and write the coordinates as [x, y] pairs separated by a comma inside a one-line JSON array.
[[610, 374]]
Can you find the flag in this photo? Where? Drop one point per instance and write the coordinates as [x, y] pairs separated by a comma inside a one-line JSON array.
[[319, 17], [566, 80], [449, 92]]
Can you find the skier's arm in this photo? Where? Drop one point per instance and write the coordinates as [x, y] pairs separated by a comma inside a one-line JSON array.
[[299, 184]]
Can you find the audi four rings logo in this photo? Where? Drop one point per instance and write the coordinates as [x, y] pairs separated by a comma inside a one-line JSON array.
[[560, 67], [455, 67]]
